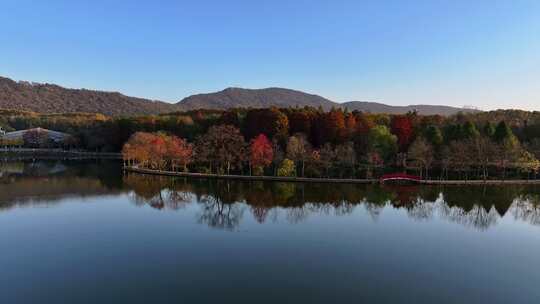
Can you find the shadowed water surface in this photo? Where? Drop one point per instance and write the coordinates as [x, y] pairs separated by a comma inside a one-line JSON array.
[[84, 233]]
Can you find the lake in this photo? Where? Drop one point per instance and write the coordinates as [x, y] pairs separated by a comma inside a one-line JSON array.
[[83, 232]]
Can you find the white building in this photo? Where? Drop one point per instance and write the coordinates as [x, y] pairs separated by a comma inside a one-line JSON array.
[[54, 136]]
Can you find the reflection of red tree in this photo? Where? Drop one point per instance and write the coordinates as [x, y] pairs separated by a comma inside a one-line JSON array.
[[157, 205], [260, 199], [260, 213], [404, 194]]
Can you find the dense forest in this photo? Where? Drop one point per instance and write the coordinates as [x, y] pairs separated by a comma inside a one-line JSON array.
[[310, 142]]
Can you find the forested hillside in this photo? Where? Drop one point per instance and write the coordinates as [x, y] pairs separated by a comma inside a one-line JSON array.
[[261, 98], [374, 107], [50, 98]]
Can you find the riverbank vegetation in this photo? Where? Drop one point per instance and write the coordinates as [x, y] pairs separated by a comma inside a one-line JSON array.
[[312, 143], [309, 142]]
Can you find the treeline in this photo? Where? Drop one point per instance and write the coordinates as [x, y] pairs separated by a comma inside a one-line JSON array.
[[311, 142]]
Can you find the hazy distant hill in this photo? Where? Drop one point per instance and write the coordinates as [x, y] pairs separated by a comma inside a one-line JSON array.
[[261, 98], [50, 98], [279, 97], [374, 107]]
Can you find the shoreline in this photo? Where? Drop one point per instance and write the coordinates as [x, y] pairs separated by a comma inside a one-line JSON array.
[[48, 154], [326, 180], [250, 177]]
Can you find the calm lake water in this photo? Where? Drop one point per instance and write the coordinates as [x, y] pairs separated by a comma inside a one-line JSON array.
[[84, 233]]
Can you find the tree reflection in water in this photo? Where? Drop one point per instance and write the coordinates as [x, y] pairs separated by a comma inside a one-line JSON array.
[[216, 213], [223, 203], [158, 192], [478, 217], [527, 208], [46, 183]]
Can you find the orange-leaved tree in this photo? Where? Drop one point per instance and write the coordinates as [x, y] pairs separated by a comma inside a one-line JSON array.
[[179, 152], [157, 151]]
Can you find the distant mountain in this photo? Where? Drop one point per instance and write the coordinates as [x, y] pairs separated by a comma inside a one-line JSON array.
[[374, 107], [50, 98], [279, 97], [261, 98]]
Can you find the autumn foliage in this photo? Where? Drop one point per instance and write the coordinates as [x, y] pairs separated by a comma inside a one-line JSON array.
[[309, 142], [402, 127], [261, 153], [222, 148], [157, 151]]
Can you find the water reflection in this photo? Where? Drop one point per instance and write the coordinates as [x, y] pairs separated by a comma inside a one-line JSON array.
[[226, 204], [158, 192], [223, 203], [49, 182]]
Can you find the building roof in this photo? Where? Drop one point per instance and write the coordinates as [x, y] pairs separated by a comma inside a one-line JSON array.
[[54, 135]]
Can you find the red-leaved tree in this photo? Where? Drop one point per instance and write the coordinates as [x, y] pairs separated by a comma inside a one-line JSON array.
[[179, 151], [402, 127], [261, 153]]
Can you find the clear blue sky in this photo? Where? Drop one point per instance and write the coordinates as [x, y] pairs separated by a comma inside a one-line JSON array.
[[480, 53]]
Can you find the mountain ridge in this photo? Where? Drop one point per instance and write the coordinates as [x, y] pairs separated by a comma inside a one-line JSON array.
[[424, 109], [234, 97], [53, 98]]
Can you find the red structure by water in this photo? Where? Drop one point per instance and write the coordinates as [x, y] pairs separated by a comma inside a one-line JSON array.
[[400, 177]]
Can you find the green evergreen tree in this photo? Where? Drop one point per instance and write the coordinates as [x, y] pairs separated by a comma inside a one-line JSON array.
[[470, 130], [434, 135], [489, 130], [503, 132]]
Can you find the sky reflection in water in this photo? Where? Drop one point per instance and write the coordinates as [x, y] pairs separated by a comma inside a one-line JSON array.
[[85, 233]]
